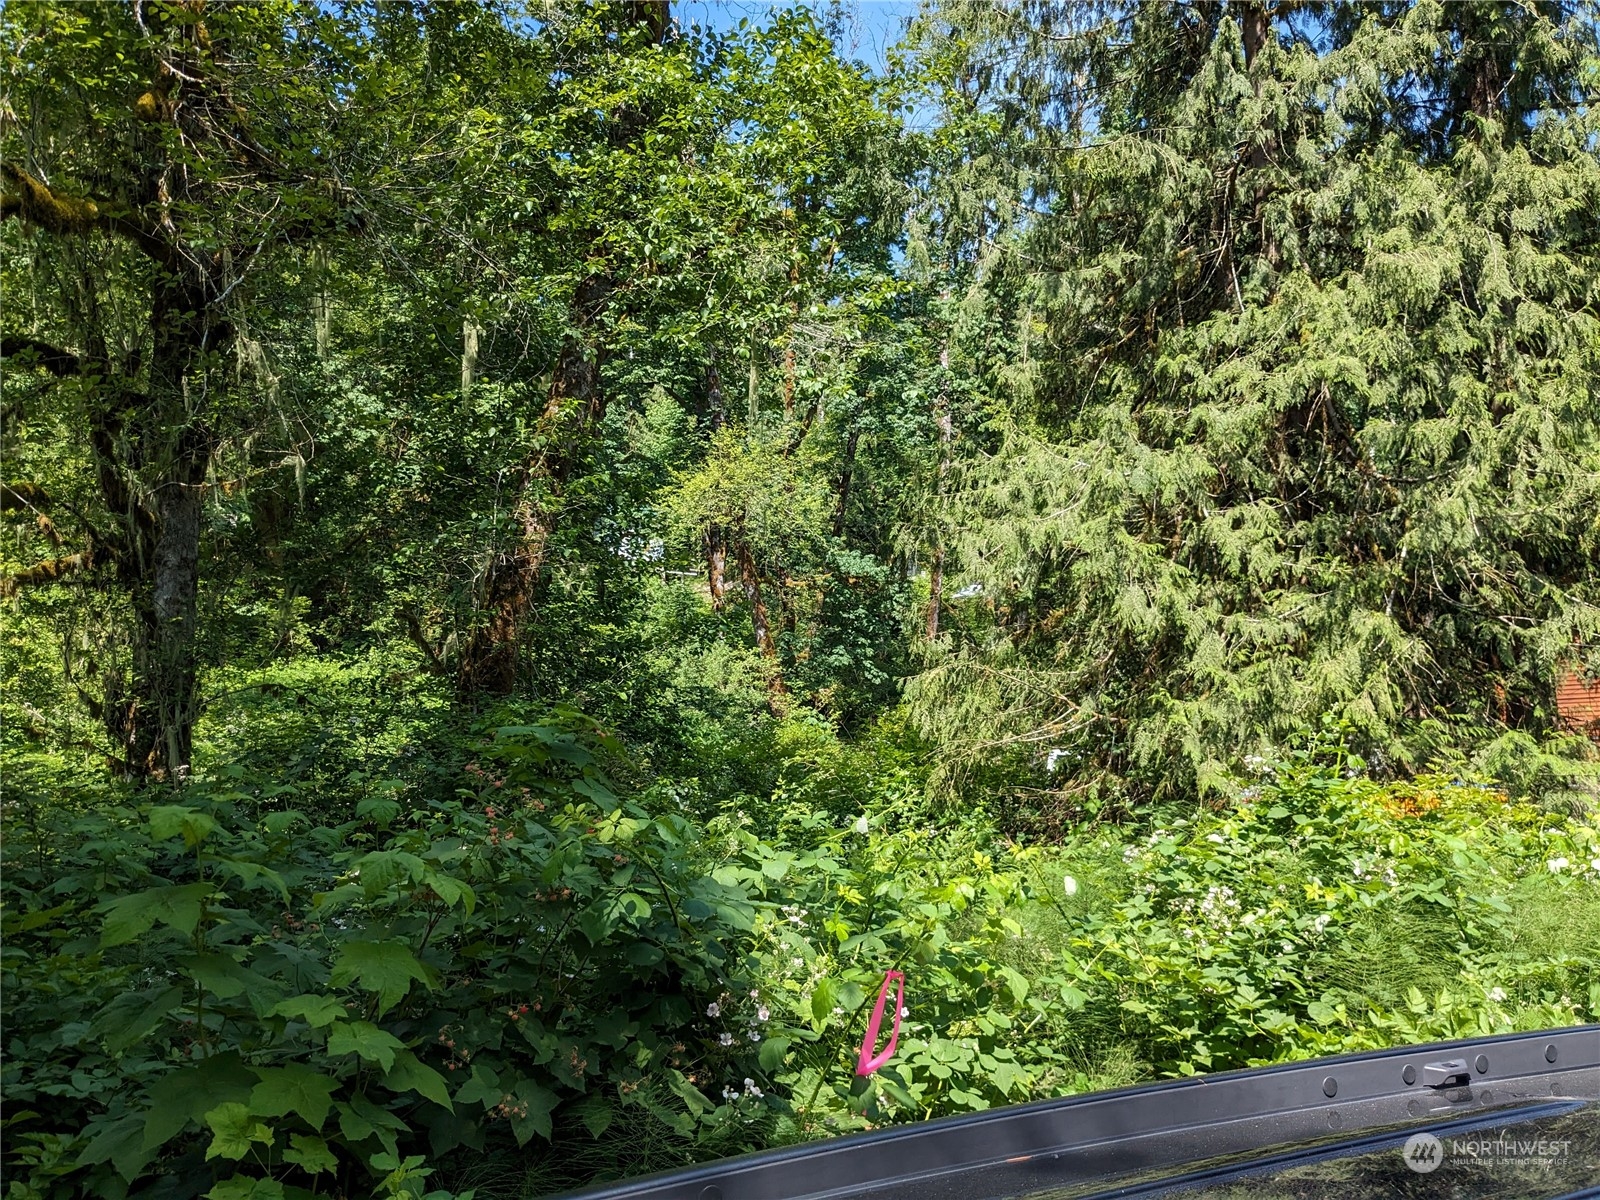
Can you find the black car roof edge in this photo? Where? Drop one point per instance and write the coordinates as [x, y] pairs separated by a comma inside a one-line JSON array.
[[680, 1181]]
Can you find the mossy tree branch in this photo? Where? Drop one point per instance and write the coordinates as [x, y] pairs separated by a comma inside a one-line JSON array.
[[40, 204]]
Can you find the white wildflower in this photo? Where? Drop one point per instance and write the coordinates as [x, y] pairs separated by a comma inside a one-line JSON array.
[[1557, 865], [726, 1039], [713, 1009], [762, 1014], [1497, 994], [861, 824], [1069, 885]]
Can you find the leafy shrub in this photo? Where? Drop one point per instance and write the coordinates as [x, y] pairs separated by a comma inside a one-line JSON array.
[[526, 981], [253, 1004], [1306, 919]]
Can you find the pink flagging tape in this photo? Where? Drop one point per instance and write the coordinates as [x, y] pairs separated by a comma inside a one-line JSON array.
[[866, 1063]]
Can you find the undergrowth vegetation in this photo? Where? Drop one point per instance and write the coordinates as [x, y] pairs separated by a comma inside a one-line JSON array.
[[503, 971]]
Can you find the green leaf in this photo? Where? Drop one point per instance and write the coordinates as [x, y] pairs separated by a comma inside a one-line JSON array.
[[822, 1002], [596, 1114], [386, 968], [361, 1119], [772, 1053], [315, 1011], [643, 954], [295, 1088], [310, 1153], [411, 1074], [233, 1131], [381, 810], [1017, 984], [169, 820], [131, 916], [225, 978], [596, 923], [240, 1188], [538, 1103], [452, 891], [185, 1095], [122, 1028], [482, 1088], [254, 876], [365, 1039], [120, 1142], [281, 822], [615, 1028]]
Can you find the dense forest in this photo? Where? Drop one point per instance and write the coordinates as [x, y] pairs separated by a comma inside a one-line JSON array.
[[551, 544]]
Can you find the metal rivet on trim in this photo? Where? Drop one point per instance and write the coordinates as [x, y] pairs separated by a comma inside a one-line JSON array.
[[1550, 1052], [1482, 1064], [1409, 1074], [1330, 1087]]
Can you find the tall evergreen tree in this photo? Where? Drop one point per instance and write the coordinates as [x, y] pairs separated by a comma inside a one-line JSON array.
[[1315, 427]]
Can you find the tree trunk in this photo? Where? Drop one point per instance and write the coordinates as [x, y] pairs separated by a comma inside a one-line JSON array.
[[469, 354], [846, 473], [164, 703], [788, 345], [157, 551], [716, 537], [1256, 27], [322, 304], [753, 383], [505, 599], [717, 567], [575, 407], [760, 623]]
